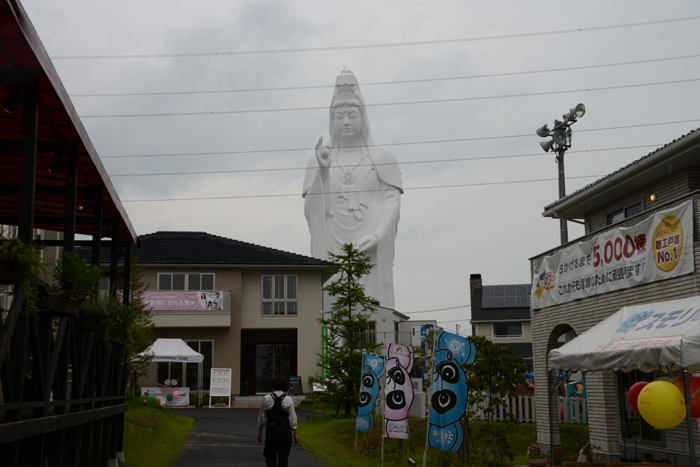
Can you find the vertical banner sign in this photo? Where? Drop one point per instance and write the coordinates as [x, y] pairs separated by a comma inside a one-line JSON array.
[[656, 248], [372, 372], [399, 390], [449, 400], [324, 350]]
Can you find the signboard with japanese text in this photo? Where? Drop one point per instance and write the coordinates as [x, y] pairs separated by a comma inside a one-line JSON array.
[[220, 382], [165, 300], [658, 247]]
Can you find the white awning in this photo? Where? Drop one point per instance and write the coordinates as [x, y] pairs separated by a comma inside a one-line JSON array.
[[171, 350], [644, 337]]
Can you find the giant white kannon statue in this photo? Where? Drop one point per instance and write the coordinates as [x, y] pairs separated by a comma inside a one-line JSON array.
[[352, 191]]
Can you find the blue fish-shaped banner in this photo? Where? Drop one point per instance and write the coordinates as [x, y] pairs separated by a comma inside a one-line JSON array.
[[449, 395], [372, 371]]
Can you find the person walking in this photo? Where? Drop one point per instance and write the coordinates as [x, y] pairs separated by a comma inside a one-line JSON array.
[[278, 415]]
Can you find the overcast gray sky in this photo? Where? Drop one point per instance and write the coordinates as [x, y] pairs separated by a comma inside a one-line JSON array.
[[517, 65]]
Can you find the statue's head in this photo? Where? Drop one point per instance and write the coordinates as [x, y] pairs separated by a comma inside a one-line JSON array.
[[348, 109]]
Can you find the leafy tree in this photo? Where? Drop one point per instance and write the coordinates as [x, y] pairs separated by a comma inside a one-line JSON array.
[[349, 318], [491, 379], [141, 330]]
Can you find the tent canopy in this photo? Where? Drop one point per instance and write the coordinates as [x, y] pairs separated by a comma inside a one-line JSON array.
[[171, 350], [644, 337]]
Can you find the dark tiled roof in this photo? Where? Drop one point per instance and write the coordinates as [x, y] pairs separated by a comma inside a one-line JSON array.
[[523, 350], [505, 296], [571, 195], [204, 248], [501, 314]]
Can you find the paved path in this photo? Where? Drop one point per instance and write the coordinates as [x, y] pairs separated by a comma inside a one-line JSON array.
[[228, 437]]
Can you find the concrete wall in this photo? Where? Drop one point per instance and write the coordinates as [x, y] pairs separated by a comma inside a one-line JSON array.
[[581, 315]]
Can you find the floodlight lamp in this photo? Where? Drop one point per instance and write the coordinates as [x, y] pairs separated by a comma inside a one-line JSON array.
[[559, 136], [12, 102], [546, 145], [579, 110], [557, 123], [543, 131], [57, 166]]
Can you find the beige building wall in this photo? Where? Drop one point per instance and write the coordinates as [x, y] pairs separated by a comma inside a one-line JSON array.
[[226, 348], [581, 315], [245, 287], [486, 329], [309, 306]]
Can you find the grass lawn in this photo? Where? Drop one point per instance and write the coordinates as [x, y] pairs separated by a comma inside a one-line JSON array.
[[332, 439], [153, 436]]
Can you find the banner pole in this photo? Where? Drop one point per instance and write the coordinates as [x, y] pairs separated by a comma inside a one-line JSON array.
[[384, 401], [430, 394], [362, 366]]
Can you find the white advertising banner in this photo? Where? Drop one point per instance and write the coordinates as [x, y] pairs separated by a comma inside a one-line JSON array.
[[657, 248], [220, 382]]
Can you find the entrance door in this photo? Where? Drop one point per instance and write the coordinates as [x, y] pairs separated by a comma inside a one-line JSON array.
[[272, 360]]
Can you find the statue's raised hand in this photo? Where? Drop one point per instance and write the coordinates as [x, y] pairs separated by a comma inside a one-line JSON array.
[[323, 154]]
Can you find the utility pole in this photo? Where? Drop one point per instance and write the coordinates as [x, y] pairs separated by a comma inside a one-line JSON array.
[[560, 142]]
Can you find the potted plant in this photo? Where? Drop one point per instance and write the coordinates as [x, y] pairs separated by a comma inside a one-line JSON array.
[[93, 312], [74, 282], [536, 455], [20, 262]]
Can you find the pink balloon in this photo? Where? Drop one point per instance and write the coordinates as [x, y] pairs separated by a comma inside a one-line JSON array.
[[176, 394], [633, 394]]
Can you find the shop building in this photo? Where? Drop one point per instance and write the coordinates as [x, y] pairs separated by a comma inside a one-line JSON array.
[[640, 247]]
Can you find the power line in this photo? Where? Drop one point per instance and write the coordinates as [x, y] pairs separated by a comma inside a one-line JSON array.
[[455, 320], [386, 104], [381, 83], [433, 311], [458, 140], [465, 159], [208, 198], [377, 46]]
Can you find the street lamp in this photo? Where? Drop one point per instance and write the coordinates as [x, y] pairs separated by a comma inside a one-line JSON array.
[[560, 142]]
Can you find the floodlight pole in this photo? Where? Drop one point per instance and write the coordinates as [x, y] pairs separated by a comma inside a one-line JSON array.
[[562, 192]]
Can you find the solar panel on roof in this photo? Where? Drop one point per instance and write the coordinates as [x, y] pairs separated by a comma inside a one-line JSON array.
[[506, 296]]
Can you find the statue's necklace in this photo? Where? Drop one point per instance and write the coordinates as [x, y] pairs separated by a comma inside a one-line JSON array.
[[347, 173]]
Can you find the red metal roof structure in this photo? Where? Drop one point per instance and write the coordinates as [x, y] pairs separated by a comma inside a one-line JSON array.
[[60, 136]]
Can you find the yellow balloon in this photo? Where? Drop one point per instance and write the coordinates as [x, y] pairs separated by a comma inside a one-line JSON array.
[[661, 405]]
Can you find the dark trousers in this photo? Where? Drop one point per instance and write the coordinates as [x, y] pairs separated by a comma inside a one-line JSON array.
[[278, 444]]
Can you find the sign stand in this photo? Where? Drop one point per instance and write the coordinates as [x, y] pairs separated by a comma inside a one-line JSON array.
[[220, 384]]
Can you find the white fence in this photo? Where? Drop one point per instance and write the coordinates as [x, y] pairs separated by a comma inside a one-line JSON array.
[[571, 410]]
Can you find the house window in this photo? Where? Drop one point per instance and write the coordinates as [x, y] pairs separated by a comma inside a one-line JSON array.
[[370, 333], [185, 281], [621, 214], [186, 374], [279, 295], [507, 330], [634, 424]]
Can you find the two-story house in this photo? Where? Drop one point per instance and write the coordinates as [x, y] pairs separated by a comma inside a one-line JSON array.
[[243, 306], [640, 247], [501, 313]]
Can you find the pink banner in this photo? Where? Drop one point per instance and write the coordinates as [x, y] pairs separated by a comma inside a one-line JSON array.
[[163, 300]]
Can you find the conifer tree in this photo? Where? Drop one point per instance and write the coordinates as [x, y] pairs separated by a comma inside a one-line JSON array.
[[346, 325]]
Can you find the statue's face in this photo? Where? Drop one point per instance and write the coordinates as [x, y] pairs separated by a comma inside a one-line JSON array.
[[347, 122]]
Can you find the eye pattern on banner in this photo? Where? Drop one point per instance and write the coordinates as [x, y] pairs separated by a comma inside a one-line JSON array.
[[372, 372], [399, 390], [449, 400]]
